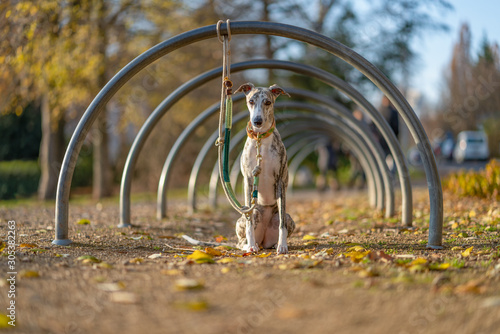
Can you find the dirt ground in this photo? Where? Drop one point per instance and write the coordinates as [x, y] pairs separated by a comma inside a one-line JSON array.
[[349, 271]]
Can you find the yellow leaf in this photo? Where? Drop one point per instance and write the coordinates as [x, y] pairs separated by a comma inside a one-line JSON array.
[[29, 274], [457, 248], [417, 268], [83, 222], [454, 225], [357, 256], [225, 270], [28, 246], [263, 255], [4, 321], [2, 247], [311, 243], [212, 251], [418, 261], [226, 260], [136, 260], [195, 305], [309, 237], [356, 249], [472, 214], [467, 252], [200, 257]]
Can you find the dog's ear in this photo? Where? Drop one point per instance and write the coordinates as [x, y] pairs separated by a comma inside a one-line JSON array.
[[245, 88], [277, 91]]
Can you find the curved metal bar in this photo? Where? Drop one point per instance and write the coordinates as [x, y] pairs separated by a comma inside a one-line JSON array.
[[360, 128], [349, 135], [203, 153], [266, 28]]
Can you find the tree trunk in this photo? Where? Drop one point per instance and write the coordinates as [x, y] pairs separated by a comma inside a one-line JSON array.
[[51, 151], [101, 183]]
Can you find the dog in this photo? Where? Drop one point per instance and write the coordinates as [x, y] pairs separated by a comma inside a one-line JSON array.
[[269, 224]]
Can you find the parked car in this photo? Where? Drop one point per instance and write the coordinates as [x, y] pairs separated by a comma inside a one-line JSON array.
[[471, 145]]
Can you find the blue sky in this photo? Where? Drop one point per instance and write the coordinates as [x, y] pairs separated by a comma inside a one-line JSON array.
[[483, 17]]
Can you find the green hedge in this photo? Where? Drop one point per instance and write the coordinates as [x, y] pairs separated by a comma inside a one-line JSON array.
[[18, 178]]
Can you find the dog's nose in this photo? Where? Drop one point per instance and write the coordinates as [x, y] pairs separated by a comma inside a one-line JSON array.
[[257, 121]]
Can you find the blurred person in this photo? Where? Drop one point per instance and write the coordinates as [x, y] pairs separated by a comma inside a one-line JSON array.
[[328, 166]]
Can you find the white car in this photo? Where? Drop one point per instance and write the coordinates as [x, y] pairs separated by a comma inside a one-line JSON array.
[[471, 145]]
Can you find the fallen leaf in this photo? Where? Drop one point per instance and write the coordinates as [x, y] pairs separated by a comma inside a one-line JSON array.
[[226, 260], [220, 238], [88, 259], [467, 252], [225, 270], [154, 256], [311, 243], [357, 256], [2, 247], [62, 255], [356, 248], [309, 237], [472, 214], [123, 297], [188, 284], [474, 286], [4, 321], [28, 246], [136, 260], [83, 222], [263, 255], [463, 235], [439, 266], [103, 265], [456, 248], [29, 274], [194, 305], [212, 251], [418, 261], [200, 257]]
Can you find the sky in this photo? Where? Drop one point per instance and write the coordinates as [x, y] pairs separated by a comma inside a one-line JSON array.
[[483, 17]]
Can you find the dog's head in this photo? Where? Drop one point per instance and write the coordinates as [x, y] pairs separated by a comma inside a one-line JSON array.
[[260, 102]]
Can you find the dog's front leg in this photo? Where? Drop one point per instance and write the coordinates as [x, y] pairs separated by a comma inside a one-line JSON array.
[[282, 247], [250, 219]]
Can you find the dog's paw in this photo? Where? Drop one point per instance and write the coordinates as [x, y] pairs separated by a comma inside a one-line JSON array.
[[283, 249], [251, 249]]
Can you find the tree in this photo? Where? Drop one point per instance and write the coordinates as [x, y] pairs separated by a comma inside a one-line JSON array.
[[470, 95]]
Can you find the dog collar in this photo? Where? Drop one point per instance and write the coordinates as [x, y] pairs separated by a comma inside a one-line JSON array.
[[251, 134]]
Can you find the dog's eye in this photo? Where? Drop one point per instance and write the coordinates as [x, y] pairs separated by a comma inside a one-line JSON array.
[[251, 102], [267, 103]]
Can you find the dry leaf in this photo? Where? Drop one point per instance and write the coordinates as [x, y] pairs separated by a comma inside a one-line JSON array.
[[226, 260], [357, 256], [467, 252], [88, 259], [194, 305], [188, 284], [263, 255], [201, 257], [28, 246], [123, 297], [356, 249], [29, 274], [309, 237], [154, 256], [83, 222], [212, 251]]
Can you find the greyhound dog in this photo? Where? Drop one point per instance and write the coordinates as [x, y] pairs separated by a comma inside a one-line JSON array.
[[269, 225]]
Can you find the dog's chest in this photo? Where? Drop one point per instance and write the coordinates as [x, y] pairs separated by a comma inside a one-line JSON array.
[[273, 158]]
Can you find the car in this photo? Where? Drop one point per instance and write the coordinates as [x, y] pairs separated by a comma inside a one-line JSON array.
[[471, 145]]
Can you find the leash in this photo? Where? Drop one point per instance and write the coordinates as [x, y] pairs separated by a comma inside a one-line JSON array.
[[226, 118]]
